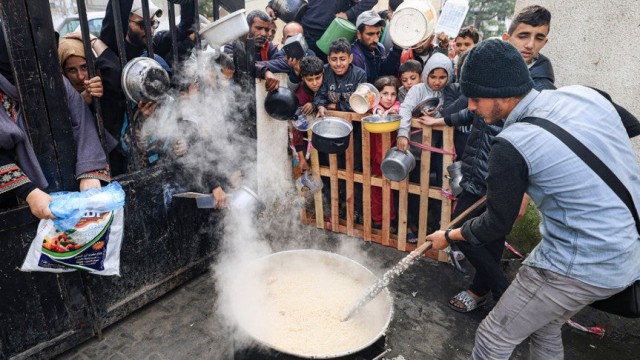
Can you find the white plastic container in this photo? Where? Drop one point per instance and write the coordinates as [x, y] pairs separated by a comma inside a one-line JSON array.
[[364, 98], [412, 23], [226, 29]]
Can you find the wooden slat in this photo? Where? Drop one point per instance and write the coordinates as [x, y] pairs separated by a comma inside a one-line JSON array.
[[349, 180], [366, 185], [445, 213], [425, 168], [317, 197], [335, 199], [402, 212], [386, 194]]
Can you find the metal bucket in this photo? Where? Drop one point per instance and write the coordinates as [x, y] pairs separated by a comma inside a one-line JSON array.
[[248, 309], [412, 23], [226, 29], [339, 28], [364, 98], [289, 10], [143, 79], [397, 164]]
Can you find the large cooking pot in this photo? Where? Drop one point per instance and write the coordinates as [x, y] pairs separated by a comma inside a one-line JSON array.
[[289, 10], [281, 104], [143, 79], [292, 302], [412, 23], [226, 29], [397, 164], [379, 124], [331, 135]]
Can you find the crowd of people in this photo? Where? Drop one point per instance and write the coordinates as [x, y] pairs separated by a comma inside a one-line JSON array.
[[485, 90]]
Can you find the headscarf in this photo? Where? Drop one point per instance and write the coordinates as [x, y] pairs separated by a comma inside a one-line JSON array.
[[70, 45]]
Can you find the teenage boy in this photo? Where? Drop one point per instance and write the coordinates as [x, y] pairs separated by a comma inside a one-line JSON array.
[[528, 33], [368, 52], [466, 39], [340, 79]]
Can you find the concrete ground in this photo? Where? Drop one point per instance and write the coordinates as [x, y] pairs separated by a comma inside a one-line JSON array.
[[184, 324]]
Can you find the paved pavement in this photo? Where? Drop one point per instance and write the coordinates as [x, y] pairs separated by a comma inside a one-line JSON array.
[[184, 324]]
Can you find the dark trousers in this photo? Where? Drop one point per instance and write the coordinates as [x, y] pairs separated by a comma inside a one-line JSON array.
[[484, 258]]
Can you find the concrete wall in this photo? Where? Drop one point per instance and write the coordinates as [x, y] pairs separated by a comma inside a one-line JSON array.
[[596, 43]]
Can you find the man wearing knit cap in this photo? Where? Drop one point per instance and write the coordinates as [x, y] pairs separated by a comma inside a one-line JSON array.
[[590, 243]]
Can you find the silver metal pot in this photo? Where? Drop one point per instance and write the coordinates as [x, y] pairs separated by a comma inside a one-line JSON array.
[[454, 176], [331, 135], [144, 79], [397, 164], [266, 269]]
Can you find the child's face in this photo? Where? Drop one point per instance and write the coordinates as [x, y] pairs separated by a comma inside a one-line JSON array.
[[388, 96], [410, 78], [339, 62], [437, 79], [463, 44], [313, 81]]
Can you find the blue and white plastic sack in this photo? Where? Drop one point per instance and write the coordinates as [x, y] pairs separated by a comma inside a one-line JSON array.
[[91, 243]]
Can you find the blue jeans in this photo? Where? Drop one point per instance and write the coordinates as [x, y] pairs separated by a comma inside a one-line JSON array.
[[484, 258], [536, 305]]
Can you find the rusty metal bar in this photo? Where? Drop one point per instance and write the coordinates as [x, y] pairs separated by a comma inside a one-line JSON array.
[[174, 35], [88, 54]]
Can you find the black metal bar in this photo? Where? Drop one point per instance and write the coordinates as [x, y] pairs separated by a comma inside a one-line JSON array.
[[216, 10], [132, 155], [196, 22], [147, 27], [88, 54], [174, 35]]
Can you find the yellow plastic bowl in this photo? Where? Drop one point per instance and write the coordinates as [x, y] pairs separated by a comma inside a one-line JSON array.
[[379, 124]]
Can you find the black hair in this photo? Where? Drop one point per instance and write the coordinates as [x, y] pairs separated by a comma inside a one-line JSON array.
[[340, 45], [410, 66], [534, 15], [393, 4], [311, 65], [383, 81], [251, 16], [461, 58], [470, 32]]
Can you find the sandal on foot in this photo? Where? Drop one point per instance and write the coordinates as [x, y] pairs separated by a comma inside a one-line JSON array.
[[467, 300], [412, 238]]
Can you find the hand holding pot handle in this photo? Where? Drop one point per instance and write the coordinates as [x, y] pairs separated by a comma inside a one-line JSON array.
[[402, 143]]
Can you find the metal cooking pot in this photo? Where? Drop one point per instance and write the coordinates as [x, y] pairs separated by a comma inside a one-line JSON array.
[[397, 164], [226, 29], [424, 106], [331, 135], [455, 175], [246, 201], [281, 104], [295, 47], [144, 79], [289, 10], [263, 271]]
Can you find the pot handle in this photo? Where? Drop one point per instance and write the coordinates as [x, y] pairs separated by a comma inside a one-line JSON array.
[[339, 144]]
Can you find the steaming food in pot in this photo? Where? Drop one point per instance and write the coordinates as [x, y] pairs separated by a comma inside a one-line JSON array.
[[299, 300]]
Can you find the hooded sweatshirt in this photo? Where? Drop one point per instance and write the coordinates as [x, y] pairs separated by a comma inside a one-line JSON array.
[[422, 92]]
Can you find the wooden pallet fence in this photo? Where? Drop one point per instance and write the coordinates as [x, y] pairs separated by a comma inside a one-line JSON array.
[[331, 220]]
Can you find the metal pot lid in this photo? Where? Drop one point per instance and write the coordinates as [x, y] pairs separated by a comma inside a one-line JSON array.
[[431, 102]]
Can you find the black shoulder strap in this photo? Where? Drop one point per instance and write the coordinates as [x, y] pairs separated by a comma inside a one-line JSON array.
[[591, 160]]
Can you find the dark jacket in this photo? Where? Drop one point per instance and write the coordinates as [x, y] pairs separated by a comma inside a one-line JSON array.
[[542, 74], [162, 39], [278, 64], [375, 64], [454, 101], [475, 168], [338, 89]]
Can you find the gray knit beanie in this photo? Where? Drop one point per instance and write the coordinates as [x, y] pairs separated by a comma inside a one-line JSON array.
[[495, 69]]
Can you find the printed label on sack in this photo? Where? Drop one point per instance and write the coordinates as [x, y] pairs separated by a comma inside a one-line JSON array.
[[83, 247]]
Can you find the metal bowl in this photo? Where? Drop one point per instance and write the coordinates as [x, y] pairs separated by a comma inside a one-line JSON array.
[[379, 124], [257, 274], [143, 79]]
